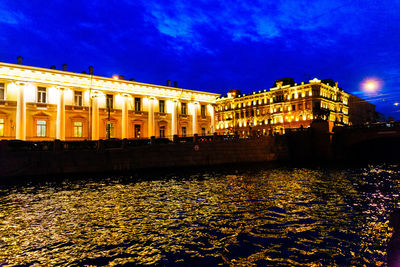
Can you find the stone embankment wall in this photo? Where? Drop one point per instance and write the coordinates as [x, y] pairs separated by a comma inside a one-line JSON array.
[[38, 163], [314, 144]]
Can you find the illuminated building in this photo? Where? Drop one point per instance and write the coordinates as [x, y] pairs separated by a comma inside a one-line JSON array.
[[45, 104], [286, 105]]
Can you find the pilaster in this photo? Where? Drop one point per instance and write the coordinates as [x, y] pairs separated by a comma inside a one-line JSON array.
[[125, 116], [21, 112], [194, 118], [60, 134], [95, 117], [151, 117]]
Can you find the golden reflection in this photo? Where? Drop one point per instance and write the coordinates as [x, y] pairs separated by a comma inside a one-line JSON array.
[[265, 217]]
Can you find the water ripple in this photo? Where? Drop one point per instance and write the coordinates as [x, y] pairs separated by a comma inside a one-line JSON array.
[[268, 217]]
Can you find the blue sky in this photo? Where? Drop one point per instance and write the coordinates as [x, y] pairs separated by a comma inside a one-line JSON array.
[[213, 45]]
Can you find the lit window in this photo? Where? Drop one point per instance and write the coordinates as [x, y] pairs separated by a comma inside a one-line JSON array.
[[78, 129], [161, 106], [41, 126], [137, 104], [2, 91], [110, 130], [1, 127], [162, 131], [203, 111], [41, 94], [183, 109], [110, 101], [78, 98]]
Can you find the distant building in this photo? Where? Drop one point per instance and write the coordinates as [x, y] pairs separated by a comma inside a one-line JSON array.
[[45, 104], [286, 105], [361, 111], [380, 117]]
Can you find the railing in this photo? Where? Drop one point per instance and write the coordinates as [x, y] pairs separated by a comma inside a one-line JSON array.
[[101, 145], [371, 126]]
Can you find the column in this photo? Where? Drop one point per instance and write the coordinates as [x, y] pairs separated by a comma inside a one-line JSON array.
[[212, 126], [95, 118], [125, 99], [151, 117], [60, 134], [174, 123], [194, 117], [21, 113]]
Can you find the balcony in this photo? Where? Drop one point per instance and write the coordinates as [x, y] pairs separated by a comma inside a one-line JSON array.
[[78, 108], [161, 115], [138, 113], [202, 118], [5, 103], [43, 106]]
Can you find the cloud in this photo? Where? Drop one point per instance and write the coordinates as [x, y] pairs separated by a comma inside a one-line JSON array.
[[258, 21], [11, 17]]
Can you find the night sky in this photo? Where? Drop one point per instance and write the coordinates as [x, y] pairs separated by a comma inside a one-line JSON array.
[[213, 45]]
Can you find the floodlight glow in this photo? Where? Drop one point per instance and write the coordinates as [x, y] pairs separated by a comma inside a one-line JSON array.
[[371, 85]]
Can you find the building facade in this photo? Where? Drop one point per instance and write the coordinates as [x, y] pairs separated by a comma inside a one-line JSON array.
[[286, 105], [46, 104], [361, 111]]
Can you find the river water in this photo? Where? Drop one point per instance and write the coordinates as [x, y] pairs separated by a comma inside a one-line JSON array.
[[243, 216]]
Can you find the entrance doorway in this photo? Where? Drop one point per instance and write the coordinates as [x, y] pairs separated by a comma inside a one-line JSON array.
[[137, 131]]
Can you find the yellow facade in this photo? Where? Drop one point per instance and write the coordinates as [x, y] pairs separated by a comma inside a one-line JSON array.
[[46, 104], [285, 106]]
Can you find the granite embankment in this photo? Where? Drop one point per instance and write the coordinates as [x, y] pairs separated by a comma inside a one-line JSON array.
[[18, 158], [148, 156]]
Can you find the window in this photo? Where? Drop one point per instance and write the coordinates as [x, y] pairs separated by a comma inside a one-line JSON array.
[[110, 101], [162, 131], [41, 94], [41, 128], [137, 104], [293, 107], [183, 109], [78, 127], [78, 98], [300, 106], [203, 131], [161, 106], [1, 127], [110, 130], [203, 111], [137, 130], [183, 131], [2, 91]]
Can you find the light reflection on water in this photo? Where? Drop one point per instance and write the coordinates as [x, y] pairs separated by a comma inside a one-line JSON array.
[[239, 217]]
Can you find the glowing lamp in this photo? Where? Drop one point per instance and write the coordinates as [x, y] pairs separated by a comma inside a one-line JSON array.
[[371, 85]]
